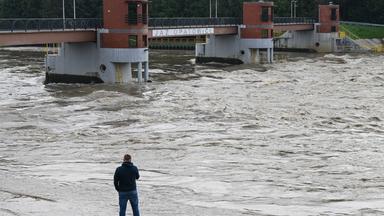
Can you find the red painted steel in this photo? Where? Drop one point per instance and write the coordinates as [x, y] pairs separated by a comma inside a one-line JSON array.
[[293, 27], [255, 26], [117, 18], [328, 25], [33, 38], [226, 30]]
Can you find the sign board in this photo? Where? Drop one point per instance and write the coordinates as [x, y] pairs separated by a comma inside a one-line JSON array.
[[182, 32], [342, 34]]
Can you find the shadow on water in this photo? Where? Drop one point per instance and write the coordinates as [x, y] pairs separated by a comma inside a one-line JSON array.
[[32, 57], [169, 65], [81, 90]]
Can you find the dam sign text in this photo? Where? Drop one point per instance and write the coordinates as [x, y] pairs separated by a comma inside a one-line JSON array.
[[182, 32]]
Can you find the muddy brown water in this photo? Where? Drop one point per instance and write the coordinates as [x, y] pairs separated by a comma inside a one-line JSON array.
[[304, 136]]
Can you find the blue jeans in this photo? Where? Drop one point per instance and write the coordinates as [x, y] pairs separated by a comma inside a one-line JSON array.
[[133, 199]]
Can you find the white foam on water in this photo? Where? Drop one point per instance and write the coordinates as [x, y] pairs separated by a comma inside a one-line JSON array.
[[72, 171], [37, 49], [295, 138]]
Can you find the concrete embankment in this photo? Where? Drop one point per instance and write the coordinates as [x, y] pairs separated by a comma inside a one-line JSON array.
[[367, 36], [376, 45]]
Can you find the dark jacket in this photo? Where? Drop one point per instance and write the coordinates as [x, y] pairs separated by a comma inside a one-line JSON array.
[[125, 177]]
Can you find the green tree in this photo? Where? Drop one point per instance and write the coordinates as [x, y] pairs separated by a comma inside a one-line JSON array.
[[362, 11]]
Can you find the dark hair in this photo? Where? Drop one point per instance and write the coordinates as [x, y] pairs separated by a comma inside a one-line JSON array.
[[127, 158]]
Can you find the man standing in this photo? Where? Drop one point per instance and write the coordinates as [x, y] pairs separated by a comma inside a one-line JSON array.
[[125, 183]]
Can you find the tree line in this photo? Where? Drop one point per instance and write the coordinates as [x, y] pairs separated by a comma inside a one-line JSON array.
[[49, 8], [351, 10]]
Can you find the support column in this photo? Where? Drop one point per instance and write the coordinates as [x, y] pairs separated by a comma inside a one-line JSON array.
[[140, 72], [272, 53], [146, 72], [258, 56], [127, 72], [269, 55], [118, 73]]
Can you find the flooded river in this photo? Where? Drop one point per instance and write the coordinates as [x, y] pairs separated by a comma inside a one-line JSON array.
[[304, 136]]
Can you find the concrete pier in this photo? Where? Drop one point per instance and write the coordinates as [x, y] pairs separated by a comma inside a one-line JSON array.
[[122, 42], [322, 38], [254, 35], [146, 72]]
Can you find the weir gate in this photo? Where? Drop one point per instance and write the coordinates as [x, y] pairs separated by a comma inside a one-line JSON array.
[[115, 49]]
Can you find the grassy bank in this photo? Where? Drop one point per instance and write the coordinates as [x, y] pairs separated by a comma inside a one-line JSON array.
[[363, 32]]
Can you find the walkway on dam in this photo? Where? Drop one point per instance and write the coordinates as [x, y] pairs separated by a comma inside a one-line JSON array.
[[41, 31]]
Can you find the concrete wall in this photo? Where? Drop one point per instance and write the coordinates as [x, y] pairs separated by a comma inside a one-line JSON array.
[[120, 62], [296, 40], [326, 42], [222, 46], [308, 40], [253, 49], [232, 47], [80, 59], [123, 55], [109, 65]]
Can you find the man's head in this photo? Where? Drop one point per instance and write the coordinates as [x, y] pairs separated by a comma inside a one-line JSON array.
[[127, 158]]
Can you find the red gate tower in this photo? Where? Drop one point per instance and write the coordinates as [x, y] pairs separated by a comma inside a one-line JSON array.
[[257, 30], [327, 30], [124, 40], [119, 54], [329, 18]]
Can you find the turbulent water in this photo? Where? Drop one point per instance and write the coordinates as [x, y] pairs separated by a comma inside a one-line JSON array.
[[304, 136]]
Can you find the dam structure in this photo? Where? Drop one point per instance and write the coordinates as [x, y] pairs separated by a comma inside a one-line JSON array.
[[115, 49], [121, 48]]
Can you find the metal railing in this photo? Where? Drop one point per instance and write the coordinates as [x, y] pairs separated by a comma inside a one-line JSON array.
[[134, 20], [49, 24], [222, 21], [362, 24], [198, 21], [294, 20], [43, 24]]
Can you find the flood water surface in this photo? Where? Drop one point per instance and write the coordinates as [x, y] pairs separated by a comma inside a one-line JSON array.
[[304, 136]]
